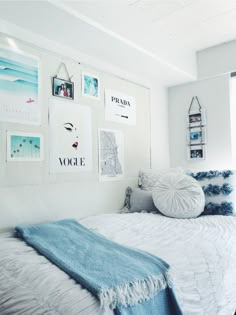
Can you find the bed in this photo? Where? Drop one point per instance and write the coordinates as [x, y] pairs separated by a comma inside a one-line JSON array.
[[201, 253]]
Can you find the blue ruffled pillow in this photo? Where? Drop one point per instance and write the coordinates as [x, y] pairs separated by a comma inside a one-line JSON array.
[[218, 187]]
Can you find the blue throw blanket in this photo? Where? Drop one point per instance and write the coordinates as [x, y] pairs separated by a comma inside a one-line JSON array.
[[127, 280]]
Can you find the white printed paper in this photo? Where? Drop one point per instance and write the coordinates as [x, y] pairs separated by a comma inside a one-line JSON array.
[[111, 154], [119, 107]]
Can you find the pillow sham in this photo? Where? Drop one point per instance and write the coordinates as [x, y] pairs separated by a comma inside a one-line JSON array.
[[218, 187], [178, 196], [137, 200], [149, 177]]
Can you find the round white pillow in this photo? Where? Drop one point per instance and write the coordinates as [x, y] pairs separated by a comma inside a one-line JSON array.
[[178, 196]]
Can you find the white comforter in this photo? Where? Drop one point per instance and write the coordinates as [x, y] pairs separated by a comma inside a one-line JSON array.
[[201, 252]]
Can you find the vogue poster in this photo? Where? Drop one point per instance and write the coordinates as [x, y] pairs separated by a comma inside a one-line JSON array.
[[70, 137]]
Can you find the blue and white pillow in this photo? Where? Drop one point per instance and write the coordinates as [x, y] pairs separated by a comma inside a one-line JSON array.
[[218, 187]]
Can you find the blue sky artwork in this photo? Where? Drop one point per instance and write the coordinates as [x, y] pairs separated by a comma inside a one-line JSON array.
[[18, 79], [25, 147]]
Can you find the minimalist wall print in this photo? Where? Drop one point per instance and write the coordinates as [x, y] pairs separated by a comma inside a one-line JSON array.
[[19, 82], [197, 152], [70, 137], [90, 85], [63, 88], [111, 154], [119, 107], [24, 147]]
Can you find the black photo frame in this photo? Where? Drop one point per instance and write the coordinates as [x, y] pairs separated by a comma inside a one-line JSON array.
[[62, 88]]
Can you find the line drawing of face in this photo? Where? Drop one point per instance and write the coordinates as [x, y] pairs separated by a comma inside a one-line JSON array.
[[73, 130]]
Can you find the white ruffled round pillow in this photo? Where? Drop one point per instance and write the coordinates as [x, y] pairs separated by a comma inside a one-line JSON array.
[[178, 196]]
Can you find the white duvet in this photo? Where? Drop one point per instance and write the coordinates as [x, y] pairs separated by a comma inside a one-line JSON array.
[[201, 253]]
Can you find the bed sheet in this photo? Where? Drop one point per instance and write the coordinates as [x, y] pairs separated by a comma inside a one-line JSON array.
[[201, 253]]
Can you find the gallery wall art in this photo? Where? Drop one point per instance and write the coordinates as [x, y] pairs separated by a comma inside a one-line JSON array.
[[62, 87], [111, 154], [90, 86], [19, 81], [26, 147], [70, 137], [119, 107]]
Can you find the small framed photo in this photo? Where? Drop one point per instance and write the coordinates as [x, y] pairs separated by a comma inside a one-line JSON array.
[[24, 146], [196, 135], [196, 152], [196, 119], [90, 85], [62, 88]]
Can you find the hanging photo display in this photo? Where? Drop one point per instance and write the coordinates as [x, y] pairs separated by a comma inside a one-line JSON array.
[[90, 85], [19, 82], [119, 107], [111, 154], [70, 137], [24, 147], [196, 134], [62, 87], [197, 152], [196, 119]]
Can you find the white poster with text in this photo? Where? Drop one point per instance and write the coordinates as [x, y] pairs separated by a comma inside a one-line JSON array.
[[119, 107], [70, 137]]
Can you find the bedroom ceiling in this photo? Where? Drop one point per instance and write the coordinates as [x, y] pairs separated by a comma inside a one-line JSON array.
[[156, 38]]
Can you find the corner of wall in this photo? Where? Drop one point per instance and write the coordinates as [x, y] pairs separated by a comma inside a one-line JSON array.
[[160, 157]]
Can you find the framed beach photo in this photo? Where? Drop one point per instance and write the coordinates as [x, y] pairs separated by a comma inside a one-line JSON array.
[[196, 152], [23, 146], [90, 85], [62, 88], [20, 85]]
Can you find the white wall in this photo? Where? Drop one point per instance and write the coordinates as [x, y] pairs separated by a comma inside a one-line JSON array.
[[217, 60], [159, 127], [31, 195], [68, 194], [216, 92], [214, 95], [233, 116], [158, 90]]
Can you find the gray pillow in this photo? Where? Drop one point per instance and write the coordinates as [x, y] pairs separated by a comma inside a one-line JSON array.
[[138, 200]]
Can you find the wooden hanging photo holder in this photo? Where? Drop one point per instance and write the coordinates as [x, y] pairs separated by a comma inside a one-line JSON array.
[[196, 131], [196, 118]]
